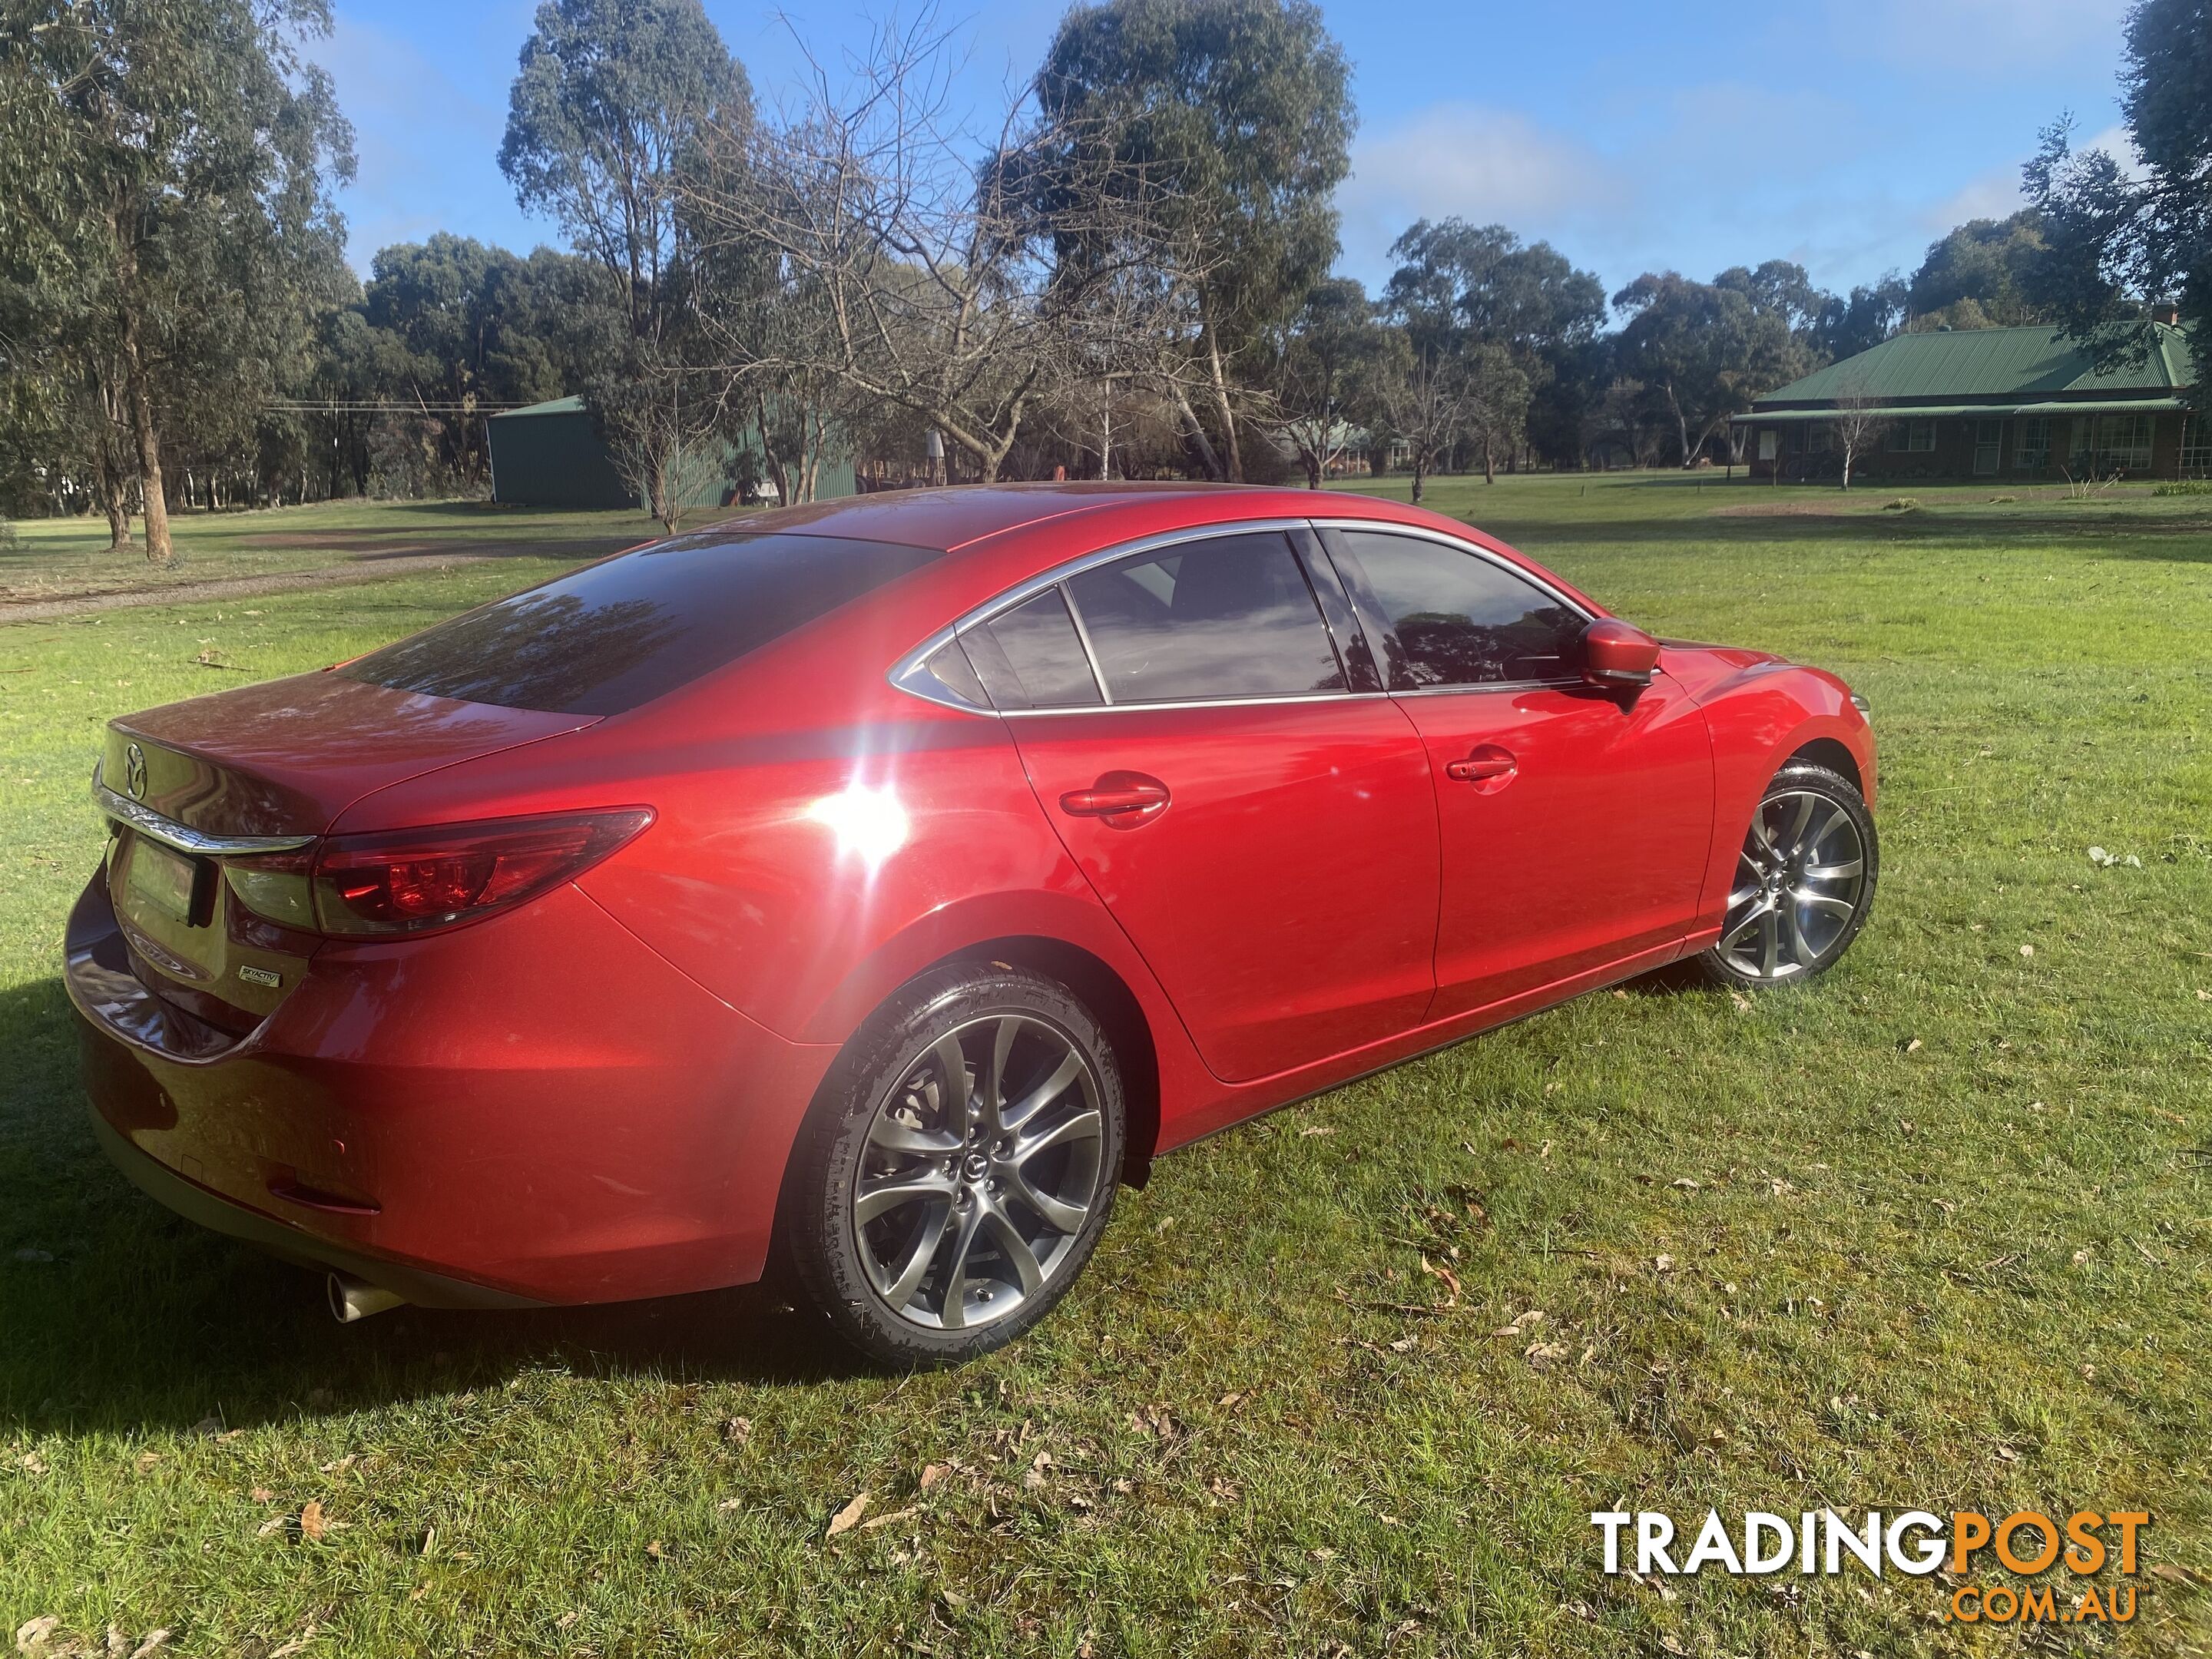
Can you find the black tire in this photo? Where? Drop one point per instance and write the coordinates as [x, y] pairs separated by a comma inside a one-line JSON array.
[[1018, 1201], [1765, 942]]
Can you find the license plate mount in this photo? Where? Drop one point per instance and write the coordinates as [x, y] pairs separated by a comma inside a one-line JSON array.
[[177, 885]]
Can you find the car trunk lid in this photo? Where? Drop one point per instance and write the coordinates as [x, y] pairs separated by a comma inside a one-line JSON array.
[[280, 760]]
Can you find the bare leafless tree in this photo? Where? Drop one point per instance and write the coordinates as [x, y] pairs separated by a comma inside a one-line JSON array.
[[912, 265], [1856, 427]]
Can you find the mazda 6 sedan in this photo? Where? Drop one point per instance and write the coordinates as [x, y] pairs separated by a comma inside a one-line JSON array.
[[872, 887]]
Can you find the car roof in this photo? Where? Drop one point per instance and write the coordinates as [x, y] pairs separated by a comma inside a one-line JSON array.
[[955, 516]]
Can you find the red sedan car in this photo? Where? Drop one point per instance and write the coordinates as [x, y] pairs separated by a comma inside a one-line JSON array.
[[884, 881]]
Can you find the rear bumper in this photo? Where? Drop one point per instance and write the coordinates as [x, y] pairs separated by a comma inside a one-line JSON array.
[[218, 1214], [536, 1109]]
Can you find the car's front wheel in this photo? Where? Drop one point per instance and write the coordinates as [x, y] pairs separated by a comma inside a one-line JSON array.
[[960, 1166], [1804, 881]]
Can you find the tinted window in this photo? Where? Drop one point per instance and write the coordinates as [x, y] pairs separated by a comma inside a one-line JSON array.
[[630, 629], [1461, 620], [949, 667], [1229, 616], [1030, 657]]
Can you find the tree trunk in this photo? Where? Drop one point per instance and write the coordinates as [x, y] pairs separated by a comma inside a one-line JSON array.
[[1198, 432], [148, 440], [1219, 376], [1682, 426], [1489, 463], [1420, 474]]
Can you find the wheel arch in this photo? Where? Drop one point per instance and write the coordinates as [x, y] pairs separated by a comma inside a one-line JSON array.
[[1835, 755], [1101, 989], [1064, 937]]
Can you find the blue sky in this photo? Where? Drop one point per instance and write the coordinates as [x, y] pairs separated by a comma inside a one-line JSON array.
[[1842, 134]]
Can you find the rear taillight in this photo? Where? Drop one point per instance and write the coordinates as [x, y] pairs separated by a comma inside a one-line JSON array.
[[413, 881]]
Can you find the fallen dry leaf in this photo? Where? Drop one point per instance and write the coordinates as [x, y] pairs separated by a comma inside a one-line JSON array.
[[1316, 1129], [262, 1495], [1450, 1280], [297, 1645], [1913, 1047], [155, 1640], [892, 1519], [653, 1549], [311, 1524], [933, 1473], [1540, 1354], [848, 1518], [31, 1635], [1686, 1184], [1663, 1263]]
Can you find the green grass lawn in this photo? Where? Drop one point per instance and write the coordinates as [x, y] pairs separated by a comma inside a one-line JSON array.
[[1927, 1234], [68, 558]]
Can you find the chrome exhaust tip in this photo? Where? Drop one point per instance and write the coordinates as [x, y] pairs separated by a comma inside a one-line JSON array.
[[353, 1299]]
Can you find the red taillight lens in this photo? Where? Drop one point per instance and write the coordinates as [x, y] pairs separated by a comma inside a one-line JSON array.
[[413, 881]]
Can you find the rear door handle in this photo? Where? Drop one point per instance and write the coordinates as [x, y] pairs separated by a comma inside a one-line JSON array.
[[1122, 798], [1487, 763]]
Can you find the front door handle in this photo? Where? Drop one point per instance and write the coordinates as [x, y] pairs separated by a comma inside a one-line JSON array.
[[1122, 798], [1488, 764]]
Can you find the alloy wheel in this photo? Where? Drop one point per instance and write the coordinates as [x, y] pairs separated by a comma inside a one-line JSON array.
[[1800, 881], [981, 1167]]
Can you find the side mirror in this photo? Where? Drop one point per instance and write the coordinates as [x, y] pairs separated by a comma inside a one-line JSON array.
[[1617, 655]]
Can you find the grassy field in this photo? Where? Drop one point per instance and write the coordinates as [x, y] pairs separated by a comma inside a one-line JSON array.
[[1928, 1234], [70, 558]]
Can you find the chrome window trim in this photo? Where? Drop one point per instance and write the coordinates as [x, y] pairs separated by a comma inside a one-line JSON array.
[[1195, 702], [1422, 532], [145, 820], [1090, 651], [909, 675]]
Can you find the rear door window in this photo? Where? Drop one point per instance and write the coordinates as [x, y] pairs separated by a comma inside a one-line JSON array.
[[1225, 617], [635, 627], [1457, 618]]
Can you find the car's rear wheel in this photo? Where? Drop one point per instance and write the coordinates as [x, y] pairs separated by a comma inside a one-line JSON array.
[[960, 1166], [1804, 882]]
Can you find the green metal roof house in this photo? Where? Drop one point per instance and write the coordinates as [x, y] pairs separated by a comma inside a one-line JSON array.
[[550, 454], [1993, 402]]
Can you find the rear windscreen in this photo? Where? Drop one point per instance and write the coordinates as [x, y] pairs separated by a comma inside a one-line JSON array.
[[632, 627]]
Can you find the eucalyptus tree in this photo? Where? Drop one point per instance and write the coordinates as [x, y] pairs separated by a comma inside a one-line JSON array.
[[611, 98], [170, 163], [1323, 373], [2114, 238], [1705, 351], [1516, 318], [1234, 119]]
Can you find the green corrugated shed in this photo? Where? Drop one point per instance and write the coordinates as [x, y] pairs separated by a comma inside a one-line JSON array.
[[2022, 364], [550, 454]]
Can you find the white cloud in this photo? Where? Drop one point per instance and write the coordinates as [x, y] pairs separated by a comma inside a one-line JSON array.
[[1480, 163], [1974, 36]]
